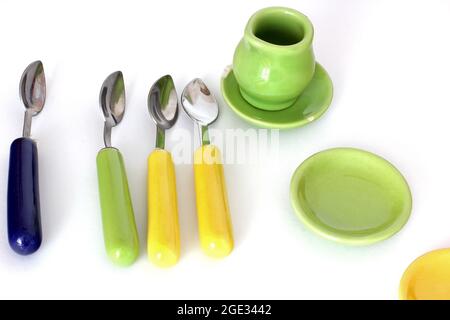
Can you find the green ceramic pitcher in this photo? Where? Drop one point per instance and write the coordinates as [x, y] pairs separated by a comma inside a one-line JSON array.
[[274, 61]]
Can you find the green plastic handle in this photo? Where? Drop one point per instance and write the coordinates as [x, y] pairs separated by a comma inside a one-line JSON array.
[[119, 226]]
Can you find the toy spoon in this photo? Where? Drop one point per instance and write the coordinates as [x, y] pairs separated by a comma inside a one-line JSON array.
[[214, 221], [24, 217], [119, 226], [163, 227]]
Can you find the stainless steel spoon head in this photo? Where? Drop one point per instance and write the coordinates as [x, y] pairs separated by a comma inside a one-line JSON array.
[[112, 99], [33, 88], [199, 103], [163, 102]]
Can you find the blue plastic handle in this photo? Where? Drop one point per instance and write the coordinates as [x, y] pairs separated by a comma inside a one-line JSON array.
[[24, 216]]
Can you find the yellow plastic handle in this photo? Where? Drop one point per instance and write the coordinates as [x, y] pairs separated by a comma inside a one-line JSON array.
[[214, 220], [163, 228]]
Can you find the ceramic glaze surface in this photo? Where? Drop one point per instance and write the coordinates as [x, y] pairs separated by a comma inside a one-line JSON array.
[[24, 214], [213, 213], [274, 62], [350, 196], [119, 226], [312, 103], [163, 236], [427, 278]]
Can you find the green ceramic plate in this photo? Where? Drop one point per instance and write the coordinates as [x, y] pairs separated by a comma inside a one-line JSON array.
[[313, 102], [350, 196]]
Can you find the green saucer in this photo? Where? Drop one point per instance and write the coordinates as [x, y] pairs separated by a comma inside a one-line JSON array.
[[313, 102], [350, 196]]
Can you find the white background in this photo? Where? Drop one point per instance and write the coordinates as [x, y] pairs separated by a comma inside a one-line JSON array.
[[389, 61]]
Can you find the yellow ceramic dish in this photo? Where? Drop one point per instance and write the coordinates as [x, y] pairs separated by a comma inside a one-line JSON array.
[[427, 278]]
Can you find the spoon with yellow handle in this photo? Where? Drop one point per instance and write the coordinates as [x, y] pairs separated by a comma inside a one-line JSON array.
[[163, 228], [427, 278], [214, 221]]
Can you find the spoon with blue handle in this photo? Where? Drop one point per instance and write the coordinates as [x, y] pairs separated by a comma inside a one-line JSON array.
[[24, 216]]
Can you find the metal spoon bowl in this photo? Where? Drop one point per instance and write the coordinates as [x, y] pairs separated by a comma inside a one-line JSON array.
[[163, 102], [112, 102], [32, 92], [112, 98], [163, 107], [199, 103], [201, 106], [33, 87]]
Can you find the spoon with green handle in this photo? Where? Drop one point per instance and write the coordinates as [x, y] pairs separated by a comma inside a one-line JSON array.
[[119, 226]]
